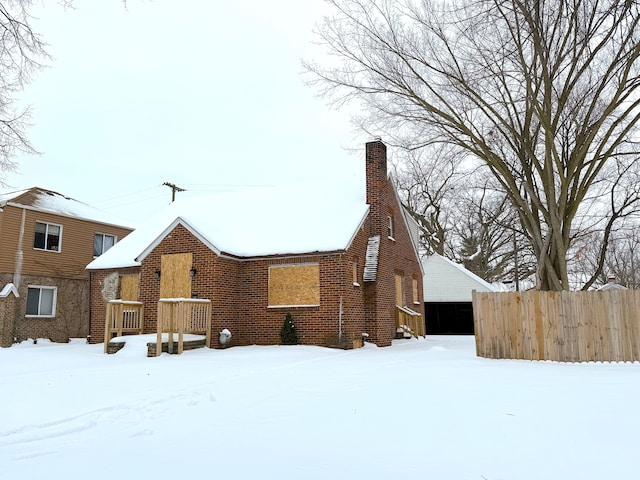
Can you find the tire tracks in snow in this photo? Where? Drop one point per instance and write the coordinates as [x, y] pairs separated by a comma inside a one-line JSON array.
[[134, 419]]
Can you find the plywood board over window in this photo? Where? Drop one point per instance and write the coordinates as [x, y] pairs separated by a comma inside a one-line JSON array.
[[129, 287], [294, 285], [399, 292], [175, 281]]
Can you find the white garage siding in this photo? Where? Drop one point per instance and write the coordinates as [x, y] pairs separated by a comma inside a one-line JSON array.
[[446, 281]]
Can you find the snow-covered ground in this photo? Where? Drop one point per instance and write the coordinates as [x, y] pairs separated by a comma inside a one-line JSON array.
[[421, 409]]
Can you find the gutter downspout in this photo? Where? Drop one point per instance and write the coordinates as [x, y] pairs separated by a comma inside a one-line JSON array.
[[17, 272], [17, 269], [340, 322]]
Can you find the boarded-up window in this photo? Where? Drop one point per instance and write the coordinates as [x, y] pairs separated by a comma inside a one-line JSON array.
[[399, 301], [129, 287], [416, 300], [294, 285], [175, 281]]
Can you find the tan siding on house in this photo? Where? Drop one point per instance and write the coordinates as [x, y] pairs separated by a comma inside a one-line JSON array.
[[76, 244], [9, 231], [63, 269]]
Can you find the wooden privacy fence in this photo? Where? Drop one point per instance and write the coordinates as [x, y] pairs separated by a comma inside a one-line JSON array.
[[409, 321], [562, 326], [123, 317], [183, 315]]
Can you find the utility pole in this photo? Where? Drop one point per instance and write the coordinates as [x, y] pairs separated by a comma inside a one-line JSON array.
[[174, 188]]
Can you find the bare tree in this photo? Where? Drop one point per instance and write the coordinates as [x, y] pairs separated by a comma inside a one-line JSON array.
[[21, 54], [460, 215], [426, 180], [623, 260], [490, 243], [543, 93]]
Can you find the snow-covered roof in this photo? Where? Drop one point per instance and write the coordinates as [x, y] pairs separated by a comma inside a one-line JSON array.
[[288, 219], [447, 281], [53, 202], [612, 286], [7, 289]]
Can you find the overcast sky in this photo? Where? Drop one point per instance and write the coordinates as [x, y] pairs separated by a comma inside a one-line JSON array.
[[206, 95]]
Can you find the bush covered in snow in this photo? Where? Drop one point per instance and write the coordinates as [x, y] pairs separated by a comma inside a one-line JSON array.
[[288, 334]]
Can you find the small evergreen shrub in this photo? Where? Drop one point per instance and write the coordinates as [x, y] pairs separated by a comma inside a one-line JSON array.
[[288, 335]]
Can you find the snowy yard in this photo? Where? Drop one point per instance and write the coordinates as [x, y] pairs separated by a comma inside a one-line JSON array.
[[421, 409]]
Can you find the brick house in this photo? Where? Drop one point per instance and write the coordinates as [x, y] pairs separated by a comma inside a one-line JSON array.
[[46, 241], [339, 263]]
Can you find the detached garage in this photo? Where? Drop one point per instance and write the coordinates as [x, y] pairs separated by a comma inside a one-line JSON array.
[[447, 296]]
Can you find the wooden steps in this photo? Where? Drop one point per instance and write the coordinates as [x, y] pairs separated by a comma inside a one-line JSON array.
[[114, 347]]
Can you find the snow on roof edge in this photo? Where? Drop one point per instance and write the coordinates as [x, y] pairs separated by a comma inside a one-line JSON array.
[[226, 230], [465, 271]]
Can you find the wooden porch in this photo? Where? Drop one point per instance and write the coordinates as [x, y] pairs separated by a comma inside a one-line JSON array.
[[124, 317], [183, 324]]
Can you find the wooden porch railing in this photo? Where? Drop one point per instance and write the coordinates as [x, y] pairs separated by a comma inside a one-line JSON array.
[[183, 315], [123, 316], [410, 321]]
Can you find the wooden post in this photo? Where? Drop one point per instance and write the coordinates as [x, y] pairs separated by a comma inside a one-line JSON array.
[[119, 318], [159, 328], [107, 327], [208, 331]]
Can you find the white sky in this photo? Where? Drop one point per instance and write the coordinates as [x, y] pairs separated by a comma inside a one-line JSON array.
[[206, 95]]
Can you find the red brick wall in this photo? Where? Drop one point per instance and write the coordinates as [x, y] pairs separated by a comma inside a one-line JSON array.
[[239, 294], [396, 255], [97, 312], [314, 325]]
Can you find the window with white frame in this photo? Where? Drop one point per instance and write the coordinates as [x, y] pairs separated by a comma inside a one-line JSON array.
[[102, 242], [47, 236], [41, 301]]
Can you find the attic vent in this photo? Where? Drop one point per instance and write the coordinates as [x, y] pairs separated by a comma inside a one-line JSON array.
[[371, 260]]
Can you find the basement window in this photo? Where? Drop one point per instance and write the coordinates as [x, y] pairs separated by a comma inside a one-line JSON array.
[[41, 301]]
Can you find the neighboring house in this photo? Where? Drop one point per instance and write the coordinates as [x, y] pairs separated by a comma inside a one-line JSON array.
[[46, 241], [611, 284], [447, 295], [340, 263]]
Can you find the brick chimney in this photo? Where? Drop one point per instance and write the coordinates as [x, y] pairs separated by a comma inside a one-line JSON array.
[[376, 175]]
